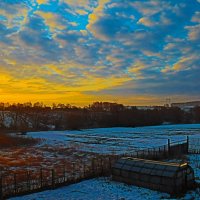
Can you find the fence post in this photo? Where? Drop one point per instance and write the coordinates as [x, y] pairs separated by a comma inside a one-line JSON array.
[[168, 143], [1, 187], [15, 183], [93, 170], [28, 180], [155, 153], [164, 151], [53, 178], [73, 172], [101, 160], [64, 173], [187, 144], [41, 178], [84, 170], [110, 164], [96, 166]]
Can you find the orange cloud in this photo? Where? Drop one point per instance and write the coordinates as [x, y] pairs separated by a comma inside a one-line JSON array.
[[51, 20], [42, 1]]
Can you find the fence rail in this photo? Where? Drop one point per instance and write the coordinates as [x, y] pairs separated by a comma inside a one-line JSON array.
[[157, 153], [170, 150], [26, 182]]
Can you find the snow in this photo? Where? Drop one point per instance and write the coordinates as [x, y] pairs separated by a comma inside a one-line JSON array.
[[118, 140], [97, 189], [103, 189], [194, 161]]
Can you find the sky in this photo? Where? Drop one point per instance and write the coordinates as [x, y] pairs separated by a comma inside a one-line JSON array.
[[137, 52]]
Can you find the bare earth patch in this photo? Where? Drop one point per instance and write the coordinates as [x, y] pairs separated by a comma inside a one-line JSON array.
[[19, 153]]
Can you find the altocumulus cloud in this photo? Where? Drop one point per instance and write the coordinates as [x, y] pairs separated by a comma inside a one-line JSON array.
[[101, 48]]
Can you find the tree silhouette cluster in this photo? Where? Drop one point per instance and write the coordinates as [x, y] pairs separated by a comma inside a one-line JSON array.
[[37, 116]]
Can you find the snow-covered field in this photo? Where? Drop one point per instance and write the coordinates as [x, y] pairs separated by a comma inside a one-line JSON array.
[[114, 140], [194, 161], [97, 189], [104, 189], [118, 140]]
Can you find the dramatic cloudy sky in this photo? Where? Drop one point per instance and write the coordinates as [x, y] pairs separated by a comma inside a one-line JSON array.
[[79, 51]]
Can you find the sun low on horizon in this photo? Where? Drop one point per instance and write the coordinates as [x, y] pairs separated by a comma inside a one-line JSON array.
[[137, 52]]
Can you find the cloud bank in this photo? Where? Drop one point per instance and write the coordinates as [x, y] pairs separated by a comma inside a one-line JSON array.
[[81, 51]]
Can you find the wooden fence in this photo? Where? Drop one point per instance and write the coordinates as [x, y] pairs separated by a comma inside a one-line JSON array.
[[170, 150], [29, 181]]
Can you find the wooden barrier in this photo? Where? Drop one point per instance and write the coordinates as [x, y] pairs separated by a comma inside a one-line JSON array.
[[170, 150], [34, 181]]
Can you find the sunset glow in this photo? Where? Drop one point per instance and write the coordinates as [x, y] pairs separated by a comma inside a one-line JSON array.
[[77, 52]]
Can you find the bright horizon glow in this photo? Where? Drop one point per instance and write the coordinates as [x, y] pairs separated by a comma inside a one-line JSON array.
[[79, 52]]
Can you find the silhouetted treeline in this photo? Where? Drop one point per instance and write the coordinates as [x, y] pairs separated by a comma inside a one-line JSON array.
[[37, 116]]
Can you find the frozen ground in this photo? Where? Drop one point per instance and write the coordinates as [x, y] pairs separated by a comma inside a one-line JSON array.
[[194, 161], [97, 189], [103, 189], [114, 140], [118, 140]]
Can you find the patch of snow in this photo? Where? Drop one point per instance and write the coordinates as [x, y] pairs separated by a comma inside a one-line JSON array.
[[97, 189], [118, 140], [194, 161]]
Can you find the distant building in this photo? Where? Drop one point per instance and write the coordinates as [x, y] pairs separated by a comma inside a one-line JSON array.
[[186, 105]]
